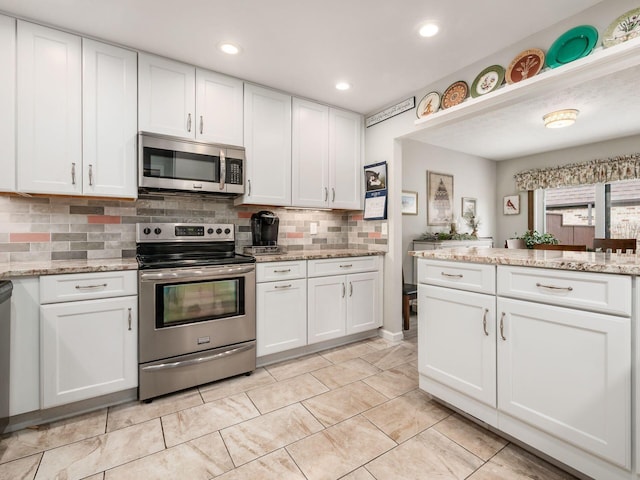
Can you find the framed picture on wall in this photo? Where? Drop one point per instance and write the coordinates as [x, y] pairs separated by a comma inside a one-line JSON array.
[[511, 205], [409, 203], [439, 198], [468, 208]]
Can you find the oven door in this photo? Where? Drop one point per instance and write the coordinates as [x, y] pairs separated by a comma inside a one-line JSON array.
[[189, 310]]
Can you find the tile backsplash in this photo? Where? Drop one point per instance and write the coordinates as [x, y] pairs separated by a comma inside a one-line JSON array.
[[60, 228]]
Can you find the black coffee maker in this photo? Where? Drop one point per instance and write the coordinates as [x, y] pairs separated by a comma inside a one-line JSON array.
[[264, 228]]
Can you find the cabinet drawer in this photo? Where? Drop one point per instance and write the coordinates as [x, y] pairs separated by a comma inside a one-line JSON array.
[[463, 276], [341, 266], [589, 291], [87, 286], [274, 271]]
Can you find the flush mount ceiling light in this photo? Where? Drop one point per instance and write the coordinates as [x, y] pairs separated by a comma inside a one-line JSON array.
[[428, 30], [343, 86], [560, 118], [229, 48]]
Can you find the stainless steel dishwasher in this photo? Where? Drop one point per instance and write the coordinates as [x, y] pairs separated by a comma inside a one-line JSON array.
[[6, 287]]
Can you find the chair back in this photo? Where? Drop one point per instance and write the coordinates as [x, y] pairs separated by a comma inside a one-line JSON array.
[[566, 248], [514, 243], [614, 244]]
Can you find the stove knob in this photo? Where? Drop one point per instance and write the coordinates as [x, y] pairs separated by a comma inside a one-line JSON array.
[[210, 231], [157, 231], [146, 231], [227, 231], [218, 231]]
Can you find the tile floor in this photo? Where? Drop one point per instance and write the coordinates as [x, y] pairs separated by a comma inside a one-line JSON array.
[[353, 412]]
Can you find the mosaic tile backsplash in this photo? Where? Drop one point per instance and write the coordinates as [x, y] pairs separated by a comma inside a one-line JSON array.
[[61, 228]]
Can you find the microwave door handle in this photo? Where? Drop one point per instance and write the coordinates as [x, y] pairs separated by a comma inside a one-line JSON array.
[[223, 169]]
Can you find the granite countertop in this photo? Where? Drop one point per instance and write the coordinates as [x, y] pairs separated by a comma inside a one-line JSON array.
[[597, 262], [316, 254], [54, 267]]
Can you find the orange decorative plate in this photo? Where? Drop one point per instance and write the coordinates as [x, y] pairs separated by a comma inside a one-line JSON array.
[[525, 65], [455, 94]]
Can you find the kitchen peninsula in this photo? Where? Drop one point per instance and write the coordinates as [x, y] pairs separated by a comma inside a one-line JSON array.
[[537, 345]]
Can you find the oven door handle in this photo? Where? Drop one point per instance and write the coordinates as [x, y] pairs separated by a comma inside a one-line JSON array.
[[196, 361], [210, 272]]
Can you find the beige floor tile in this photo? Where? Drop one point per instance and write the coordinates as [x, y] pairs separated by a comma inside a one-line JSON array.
[[45, 437], [477, 440], [97, 476], [427, 455], [395, 381], [345, 402], [285, 393], [200, 459], [232, 386], [391, 357], [94, 455], [131, 413], [347, 352], [513, 463], [267, 433], [340, 449], [344, 373], [360, 474], [297, 366], [275, 466], [21, 469], [380, 343], [407, 415], [197, 421]]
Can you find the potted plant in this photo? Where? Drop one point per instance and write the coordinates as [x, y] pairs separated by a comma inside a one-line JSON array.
[[533, 237]]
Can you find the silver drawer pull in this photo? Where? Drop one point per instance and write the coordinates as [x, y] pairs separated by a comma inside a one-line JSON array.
[[553, 287], [283, 286], [484, 322], [349, 265], [286, 270], [84, 287], [502, 326], [129, 319], [450, 275]]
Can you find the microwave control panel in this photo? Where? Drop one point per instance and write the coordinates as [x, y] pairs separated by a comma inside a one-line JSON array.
[[234, 171]]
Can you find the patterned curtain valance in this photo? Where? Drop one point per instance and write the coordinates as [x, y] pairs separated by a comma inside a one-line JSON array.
[[625, 167]]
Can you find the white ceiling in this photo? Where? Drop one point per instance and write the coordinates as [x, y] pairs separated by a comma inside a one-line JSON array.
[[303, 46]]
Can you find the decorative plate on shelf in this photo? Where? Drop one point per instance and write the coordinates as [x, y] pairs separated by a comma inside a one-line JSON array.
[[623, 28], [572, 45], [455, 94], [487, 80], [526, 64], [429, 104]]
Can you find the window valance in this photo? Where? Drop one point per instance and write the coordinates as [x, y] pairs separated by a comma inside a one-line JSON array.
[[625, 167]]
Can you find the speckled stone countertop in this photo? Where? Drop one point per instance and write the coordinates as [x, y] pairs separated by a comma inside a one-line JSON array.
[[53, 267], [597, 262], [316, 254]]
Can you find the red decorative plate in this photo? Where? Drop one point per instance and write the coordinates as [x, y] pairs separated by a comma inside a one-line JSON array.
[[455, 94], [525, 65]]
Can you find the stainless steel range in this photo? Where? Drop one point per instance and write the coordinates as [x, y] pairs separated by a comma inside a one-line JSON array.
[[196, 306]]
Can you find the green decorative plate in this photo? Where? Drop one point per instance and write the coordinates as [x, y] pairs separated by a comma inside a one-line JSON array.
[[487, 80], [623, 28], [572, 45]]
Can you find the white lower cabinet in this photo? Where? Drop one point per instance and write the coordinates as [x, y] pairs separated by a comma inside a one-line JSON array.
[[327, 310]]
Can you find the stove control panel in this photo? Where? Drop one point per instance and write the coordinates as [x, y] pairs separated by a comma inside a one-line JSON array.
[[185, 232]]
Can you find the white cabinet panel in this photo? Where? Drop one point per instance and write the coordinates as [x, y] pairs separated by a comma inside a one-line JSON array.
[[219, 106], [7, 104], [109, 120], [327, 308], [87, 286], [363, 306], [345, 165], [473, 277], [274, 271], [341, 266], [49, 100]]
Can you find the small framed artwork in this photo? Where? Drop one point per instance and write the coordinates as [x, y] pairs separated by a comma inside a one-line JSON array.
[[468, 207], [409, 203], [511, 204], [439, 198]]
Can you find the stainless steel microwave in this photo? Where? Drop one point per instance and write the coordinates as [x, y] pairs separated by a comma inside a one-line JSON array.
[[172, 163]]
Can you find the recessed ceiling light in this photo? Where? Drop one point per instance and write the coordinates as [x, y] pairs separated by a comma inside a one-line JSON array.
[[343, 86], [229, 48], [560, 118], [428, 30]]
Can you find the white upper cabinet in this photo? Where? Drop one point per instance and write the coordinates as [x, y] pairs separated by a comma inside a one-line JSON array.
[[178, 99], [49, 100], [345, 150], [109, 100], [267, 139], [7, 104]]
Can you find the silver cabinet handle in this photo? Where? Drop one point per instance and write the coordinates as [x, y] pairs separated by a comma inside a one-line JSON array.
[[348, 265], [285, 270], [502, 326], [73, 173], [197, 186], [90, 175], [249, 187], [553, 287], [188, 122], [450, 275], [129, 319], [283, 286], [333, 194], [223, 169], [350, 289], [344, 290], [484, 322], [85, 287], [326, 194], [201, 124]]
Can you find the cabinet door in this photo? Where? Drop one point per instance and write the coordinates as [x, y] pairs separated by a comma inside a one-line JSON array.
[[327, 308], [456, 337], [267, 140], [310, 154], [167, 96], [567, 372], [219, 108], [109, 106], [49, 104], [7, 104], [281, 316], [363, 310], [89, 348], [345, 145]]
